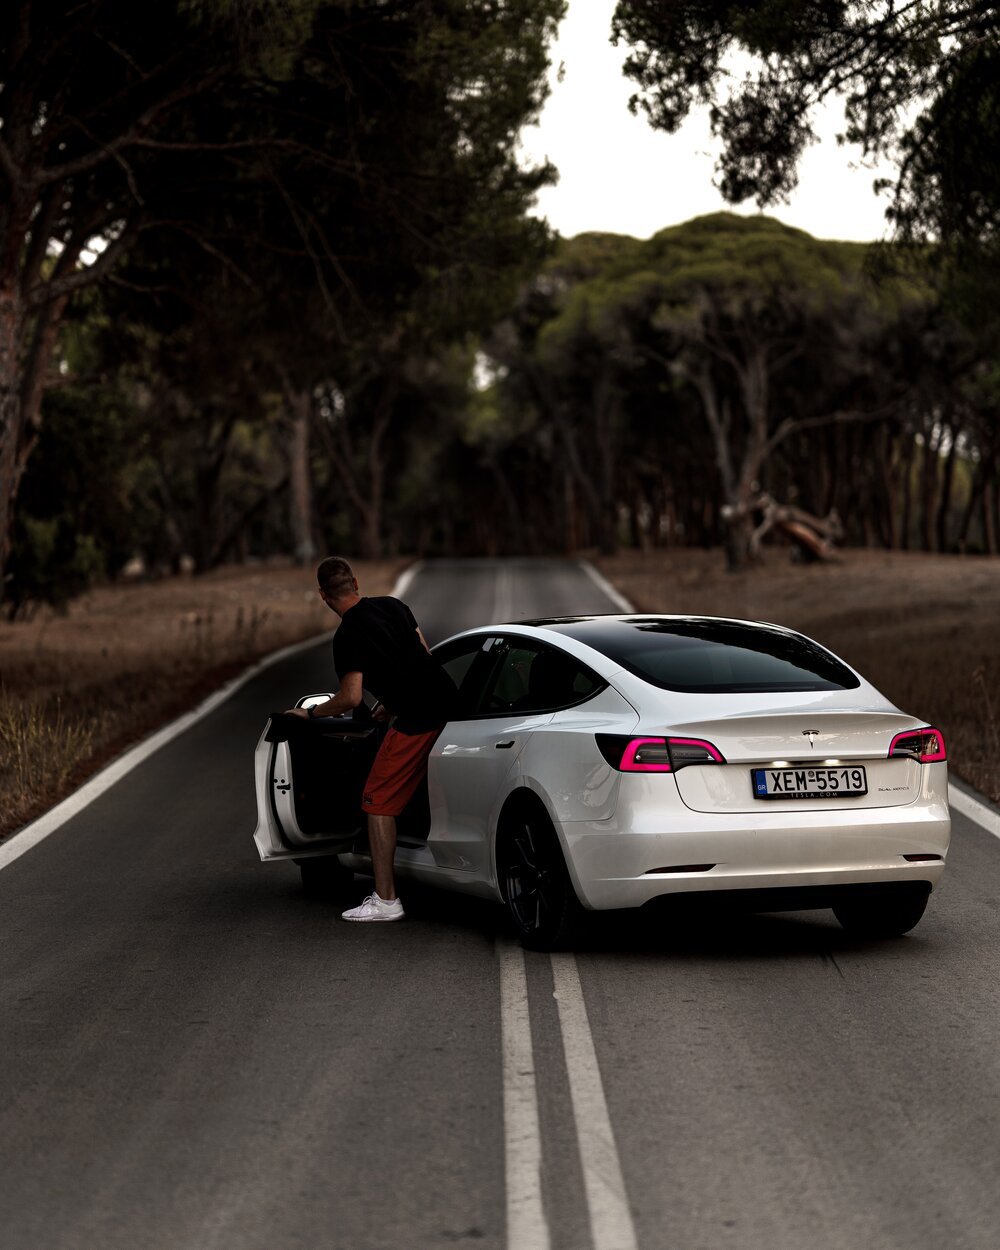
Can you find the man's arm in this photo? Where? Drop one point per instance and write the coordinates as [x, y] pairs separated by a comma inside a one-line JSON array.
[[423, 639], [346, 698]]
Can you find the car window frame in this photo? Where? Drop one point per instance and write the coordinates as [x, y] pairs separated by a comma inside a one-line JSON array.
[[499, 654], [483, 662]]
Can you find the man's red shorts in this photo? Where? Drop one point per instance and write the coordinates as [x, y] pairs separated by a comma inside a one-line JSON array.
[[398, 769]]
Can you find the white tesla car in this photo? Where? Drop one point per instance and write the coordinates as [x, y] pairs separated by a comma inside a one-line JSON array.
[[616, 761]]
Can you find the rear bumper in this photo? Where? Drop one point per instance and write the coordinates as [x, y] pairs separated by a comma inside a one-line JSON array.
[[789, 898], [614, 866]]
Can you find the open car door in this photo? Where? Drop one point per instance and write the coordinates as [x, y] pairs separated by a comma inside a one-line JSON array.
[[310, 775]]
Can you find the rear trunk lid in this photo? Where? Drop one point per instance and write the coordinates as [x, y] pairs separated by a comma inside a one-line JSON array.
[[800, 734], [803, 739]]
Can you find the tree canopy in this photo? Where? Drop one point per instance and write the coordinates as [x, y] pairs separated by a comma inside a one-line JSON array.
[[270, 282], [685, 378], [918, 82], [332, 170]]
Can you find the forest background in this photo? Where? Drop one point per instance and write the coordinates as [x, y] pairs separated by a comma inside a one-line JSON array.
[[270, 286]]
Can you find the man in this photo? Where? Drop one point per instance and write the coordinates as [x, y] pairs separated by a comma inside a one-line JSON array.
[[379, 647]]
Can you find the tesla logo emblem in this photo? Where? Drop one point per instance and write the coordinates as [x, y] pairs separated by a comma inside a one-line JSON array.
[[812, 735]]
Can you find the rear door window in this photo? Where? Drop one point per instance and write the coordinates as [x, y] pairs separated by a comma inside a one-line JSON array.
[[468, 662], [529, 677]]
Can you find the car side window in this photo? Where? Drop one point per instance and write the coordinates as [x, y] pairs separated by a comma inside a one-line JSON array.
[[468, 665], [531, 677]]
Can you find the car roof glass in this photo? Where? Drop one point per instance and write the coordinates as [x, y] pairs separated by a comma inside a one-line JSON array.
[[702, 655]]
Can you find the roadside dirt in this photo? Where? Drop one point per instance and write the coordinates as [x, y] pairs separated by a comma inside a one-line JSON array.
[[924, 629], [77, 689]]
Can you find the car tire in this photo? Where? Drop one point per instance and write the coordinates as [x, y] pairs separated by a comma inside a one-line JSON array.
[[534, 880], [325, 877], [882, 915]]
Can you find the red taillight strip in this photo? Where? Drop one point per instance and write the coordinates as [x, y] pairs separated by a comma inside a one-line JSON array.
[[714, 752], [628, 763], [934, 756]]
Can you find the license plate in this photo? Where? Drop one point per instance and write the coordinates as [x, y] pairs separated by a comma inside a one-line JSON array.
[[809, 783]]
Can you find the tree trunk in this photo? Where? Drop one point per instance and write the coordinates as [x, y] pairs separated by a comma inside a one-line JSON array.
[[944, 501], [205, 538], [890, 532], [589, 495], [739, 531], [365, 500], [174, 538], [371, 520], [995, 500], [976, 488], [928, 486], [740, 487], [514, 523], [299, 405], [12, 318], [989, 519], [736, 514], [754, 386], [571, 521], [605, 402], [986, 521], [22, 385], [907, 487], [10, 426]]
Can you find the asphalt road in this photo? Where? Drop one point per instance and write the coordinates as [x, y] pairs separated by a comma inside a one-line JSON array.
[[194, 1056]]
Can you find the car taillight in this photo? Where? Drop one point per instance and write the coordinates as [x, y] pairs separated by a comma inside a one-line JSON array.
[[655, 755], [925, 745]]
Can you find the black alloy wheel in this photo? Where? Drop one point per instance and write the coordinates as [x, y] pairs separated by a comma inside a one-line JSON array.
[[536, 886]]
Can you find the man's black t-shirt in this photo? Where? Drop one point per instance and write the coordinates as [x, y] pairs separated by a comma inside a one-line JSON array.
[[378, 639]]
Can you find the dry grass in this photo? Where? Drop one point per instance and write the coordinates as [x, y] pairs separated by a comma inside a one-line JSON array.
[[76, 690], [38, 752], [925, 629]]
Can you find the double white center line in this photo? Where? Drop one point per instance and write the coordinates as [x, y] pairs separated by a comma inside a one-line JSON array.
[[607, 1203]]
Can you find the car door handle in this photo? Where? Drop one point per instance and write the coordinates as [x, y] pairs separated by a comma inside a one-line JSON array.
[[504, 746]]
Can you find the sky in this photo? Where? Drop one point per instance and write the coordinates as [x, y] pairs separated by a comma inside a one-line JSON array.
[[618, 174]]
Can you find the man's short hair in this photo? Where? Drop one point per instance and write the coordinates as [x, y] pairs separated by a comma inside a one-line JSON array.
[[335, 577]]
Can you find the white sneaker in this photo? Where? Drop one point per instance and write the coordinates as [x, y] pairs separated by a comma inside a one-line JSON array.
[[375, 908]]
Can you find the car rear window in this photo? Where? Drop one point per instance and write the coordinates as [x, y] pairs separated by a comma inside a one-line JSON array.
[[705, 657]]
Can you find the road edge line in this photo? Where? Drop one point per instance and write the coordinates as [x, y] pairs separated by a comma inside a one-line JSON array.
[[602, 584], [405, 579], [17, 844], [611, 1224], [14, 847], [972, 808], [527, 1227]]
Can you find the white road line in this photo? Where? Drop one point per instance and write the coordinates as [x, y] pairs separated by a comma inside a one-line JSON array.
[[610, 1217], [16, 845], [527, 1227], [405, 580], [977, 812], [503, 596], [30, 836], [602, 584]]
